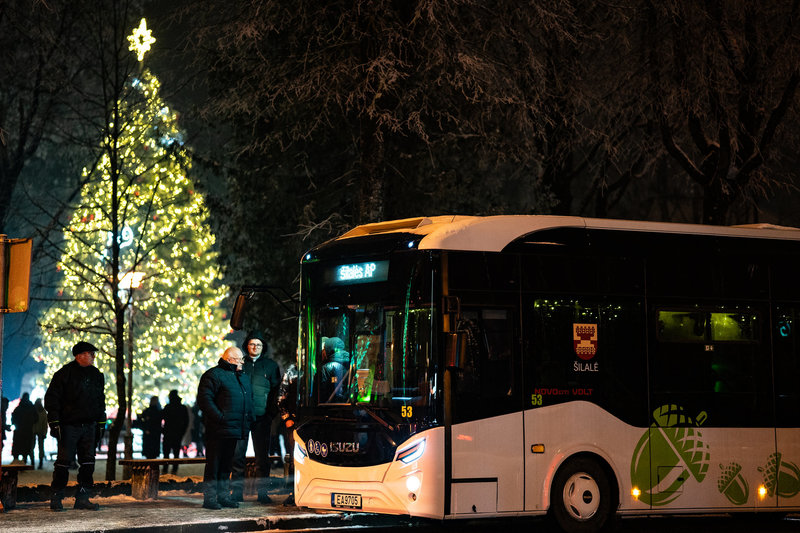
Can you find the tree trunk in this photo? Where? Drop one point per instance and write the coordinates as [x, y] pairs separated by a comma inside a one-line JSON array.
[[716, 204], [119, 420]]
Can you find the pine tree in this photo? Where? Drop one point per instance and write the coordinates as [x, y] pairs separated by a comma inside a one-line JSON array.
[[174, 325]]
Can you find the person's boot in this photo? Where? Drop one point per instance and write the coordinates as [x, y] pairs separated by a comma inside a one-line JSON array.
[[227, 502], [263, 497], [210, 496], [55, 501], [224, 495], [211, 504], [82, 501]]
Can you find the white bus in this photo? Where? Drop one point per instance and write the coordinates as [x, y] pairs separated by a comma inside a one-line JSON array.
[[463, 367]]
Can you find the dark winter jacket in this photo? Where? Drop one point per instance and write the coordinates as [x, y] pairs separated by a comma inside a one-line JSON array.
[[176, 420], [75, 395], [226, 401], [40, 427], [265, 380], [333, 383], [24, 418], [150, 424]]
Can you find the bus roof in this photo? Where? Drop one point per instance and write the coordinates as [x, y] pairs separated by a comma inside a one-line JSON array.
[[494, 233]]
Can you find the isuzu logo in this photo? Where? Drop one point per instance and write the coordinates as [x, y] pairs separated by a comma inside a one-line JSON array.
[[344, 447], [322, 448]]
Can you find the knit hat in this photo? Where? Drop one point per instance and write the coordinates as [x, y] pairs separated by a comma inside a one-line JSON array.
[[254, 335]]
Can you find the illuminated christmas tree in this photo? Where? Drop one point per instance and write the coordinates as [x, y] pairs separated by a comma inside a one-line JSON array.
[[168, 283]]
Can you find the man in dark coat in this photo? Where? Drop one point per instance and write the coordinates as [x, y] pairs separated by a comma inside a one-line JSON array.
[[150, 424], [176, 420], [24, 418], [76, 412], [265, 379], [226, 401]]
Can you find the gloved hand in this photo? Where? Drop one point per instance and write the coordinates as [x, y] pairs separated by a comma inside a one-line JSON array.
[[55, 430], [99, 431]]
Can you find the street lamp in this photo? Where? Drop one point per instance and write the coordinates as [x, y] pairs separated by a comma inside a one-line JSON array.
[[127, 282]]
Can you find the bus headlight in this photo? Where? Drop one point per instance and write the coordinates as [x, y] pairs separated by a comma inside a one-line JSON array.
[[300, 453], [412, 452]]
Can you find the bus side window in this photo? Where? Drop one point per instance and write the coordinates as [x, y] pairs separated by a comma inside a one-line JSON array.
[[787, 366], [710, 359], [485, 382]]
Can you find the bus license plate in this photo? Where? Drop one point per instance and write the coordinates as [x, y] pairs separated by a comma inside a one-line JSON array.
[[347, 501]]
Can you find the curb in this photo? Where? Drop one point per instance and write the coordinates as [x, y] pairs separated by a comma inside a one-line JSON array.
[[282, 523]]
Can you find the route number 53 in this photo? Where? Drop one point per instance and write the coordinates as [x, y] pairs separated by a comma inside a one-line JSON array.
[[406, 411]]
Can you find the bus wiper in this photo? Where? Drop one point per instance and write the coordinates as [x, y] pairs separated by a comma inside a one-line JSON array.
[[376, 417]]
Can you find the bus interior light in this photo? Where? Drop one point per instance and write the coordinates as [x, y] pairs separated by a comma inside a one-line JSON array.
[[411, 453]]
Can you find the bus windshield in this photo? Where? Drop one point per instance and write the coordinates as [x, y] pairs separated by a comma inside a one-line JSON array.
[[371, 355]]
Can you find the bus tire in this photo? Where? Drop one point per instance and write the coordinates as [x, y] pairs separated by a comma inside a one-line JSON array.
[[581, 496]]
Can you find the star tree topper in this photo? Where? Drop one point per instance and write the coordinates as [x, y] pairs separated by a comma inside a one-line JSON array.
[[141, 39]]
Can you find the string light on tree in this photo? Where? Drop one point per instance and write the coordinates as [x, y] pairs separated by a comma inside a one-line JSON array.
[[165, 239]]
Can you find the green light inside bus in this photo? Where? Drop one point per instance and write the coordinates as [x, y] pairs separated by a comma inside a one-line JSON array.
[[371, 354]]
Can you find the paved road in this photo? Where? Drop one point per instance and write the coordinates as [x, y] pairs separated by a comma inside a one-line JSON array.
[[704, 524]]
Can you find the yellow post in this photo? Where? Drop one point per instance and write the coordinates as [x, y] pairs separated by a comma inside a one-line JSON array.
[[15, 275]]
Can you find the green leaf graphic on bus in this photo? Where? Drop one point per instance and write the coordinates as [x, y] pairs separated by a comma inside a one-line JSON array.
[[665, 456], [732, 484], [781, 477]]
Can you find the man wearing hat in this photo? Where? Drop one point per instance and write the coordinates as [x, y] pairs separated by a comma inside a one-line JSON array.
[[265, 380], [76, 412]]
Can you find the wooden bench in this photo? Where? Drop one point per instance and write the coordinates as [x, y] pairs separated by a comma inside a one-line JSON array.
[[8, 484], [145, 474]]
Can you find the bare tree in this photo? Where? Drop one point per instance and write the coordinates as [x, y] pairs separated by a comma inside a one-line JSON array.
[[38, 40], [380, 85], [720, 80]]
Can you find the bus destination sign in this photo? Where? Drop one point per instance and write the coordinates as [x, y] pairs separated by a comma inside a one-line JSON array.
[[370, 272]]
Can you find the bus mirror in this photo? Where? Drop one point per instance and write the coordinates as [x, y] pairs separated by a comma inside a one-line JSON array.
[[455, 349], [237, 316]]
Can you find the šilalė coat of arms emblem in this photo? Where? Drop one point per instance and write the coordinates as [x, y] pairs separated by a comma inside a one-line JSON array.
[[584, 339]]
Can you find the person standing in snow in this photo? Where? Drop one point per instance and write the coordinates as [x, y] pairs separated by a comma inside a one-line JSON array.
[[176, 419], [76, 412], [265, 379], [226, 401]]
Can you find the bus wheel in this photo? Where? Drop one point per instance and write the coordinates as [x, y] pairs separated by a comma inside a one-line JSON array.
[[580, 500]]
